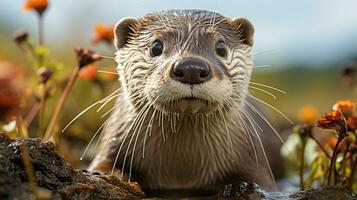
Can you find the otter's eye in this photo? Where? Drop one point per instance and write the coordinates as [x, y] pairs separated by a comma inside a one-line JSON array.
[[156, 48], [221, 49]]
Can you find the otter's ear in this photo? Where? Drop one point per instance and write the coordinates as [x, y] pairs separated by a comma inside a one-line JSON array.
[[245, 29], [122, 31]]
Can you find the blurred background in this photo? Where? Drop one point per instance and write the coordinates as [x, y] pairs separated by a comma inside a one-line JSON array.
[[300, 47]]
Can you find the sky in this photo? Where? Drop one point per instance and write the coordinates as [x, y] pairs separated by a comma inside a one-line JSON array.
[[304, 31]]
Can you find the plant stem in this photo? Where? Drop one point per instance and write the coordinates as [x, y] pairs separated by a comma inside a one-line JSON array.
[[25, 157], [40, 30], [32, 113], [353, 170], [58, 109], [344, 161], [333, 160], [321, 147], [302, 164], [42, 110], [21, 127]]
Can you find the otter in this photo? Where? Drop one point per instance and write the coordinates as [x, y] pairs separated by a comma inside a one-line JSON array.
[[180, 121]]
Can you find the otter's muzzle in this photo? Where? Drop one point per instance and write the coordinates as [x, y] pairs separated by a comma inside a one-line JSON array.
[[191, 71]]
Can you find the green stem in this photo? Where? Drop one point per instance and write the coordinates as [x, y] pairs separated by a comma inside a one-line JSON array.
[[353, 170], [58, 109], [344, 161], [41, 42], [42, 110], [321, 147], [40, 31], [333, 160], [302, 164]]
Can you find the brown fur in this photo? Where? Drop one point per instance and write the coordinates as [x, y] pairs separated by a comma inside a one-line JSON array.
[[172, 143]]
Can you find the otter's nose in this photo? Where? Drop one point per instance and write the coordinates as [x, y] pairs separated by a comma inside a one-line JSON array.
[[191, 71]]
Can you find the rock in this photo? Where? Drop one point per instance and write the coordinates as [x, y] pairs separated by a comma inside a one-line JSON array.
[[54, 177], [252, 191]]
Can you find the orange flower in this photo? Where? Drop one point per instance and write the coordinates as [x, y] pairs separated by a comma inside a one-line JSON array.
[[104, 33], [332, 120], [331, 143], [352, 123], [37, 5], [347, 107], [308, 114], [88, 73]]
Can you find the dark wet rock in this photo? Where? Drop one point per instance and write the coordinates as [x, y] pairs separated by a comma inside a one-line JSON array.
[[251, 191], [332, 192], [54, 177]]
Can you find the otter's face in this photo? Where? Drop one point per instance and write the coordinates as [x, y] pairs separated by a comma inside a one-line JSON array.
[[185, 61]]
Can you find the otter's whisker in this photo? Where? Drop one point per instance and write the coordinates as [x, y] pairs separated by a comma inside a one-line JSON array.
[[98, 140], [248, 131], [261, 66], [227, 130], [107, 72], [149, 128], [88, 108], [162, 124], [263, 52], [138, 122], [264, 91], [123, 141], [91, 140], [136, 139], [272, 107], [253, 120], [268, 86], [266, 121], [106, 102], [109, 57], [261, 145], [116, 106]]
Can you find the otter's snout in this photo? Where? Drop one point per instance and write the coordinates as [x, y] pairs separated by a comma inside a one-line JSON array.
[[191, 71]]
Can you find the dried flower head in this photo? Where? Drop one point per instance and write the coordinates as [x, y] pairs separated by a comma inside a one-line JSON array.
[[38, 5], [44, 74], [308, 114], [103, 33], [88, 73], [20, 36], [305, 130], [348, 73], [346, 107], [332, 120], [86, 57]]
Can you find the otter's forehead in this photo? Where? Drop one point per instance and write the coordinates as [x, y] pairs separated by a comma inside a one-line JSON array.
[[182, 23], [184, 18]]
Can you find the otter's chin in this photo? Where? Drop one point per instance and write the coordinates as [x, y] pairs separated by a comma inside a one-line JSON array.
[[187, 105]]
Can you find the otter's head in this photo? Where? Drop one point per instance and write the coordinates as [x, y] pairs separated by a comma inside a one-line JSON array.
[[187, 61]]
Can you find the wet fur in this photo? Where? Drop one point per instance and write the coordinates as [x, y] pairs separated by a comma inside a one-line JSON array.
[[164, 150]]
